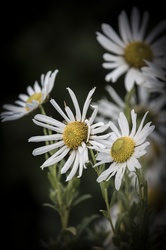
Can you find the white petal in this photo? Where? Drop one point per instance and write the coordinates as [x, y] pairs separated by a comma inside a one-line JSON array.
[[69, 162], [115, 74], [49, 120], [44, 125], [93, 116], [57, 107], [74, 168], [114, 129], [69, 113], [124, 27], [76, 105], [47, 148], [134, 124], [110, 32], [119, 175], [117, 99], [108, 44], [87, 103], [105, 174], [55, 160], [41, 138], [123, 124]]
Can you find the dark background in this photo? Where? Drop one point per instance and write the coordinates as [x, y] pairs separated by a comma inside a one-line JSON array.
[[35, 38]]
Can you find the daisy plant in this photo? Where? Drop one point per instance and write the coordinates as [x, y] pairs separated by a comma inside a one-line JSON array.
[[67, 145], [113, 137]]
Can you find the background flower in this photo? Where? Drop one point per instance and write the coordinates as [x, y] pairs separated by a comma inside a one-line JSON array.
[[155, 76], [35, 96], [128, 51]]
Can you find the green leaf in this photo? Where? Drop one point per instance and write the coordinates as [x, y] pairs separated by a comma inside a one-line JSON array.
[[113, 198], [105, 213], [118, 221], [72, 230], [82, 198], [51, 206], [84, 224]]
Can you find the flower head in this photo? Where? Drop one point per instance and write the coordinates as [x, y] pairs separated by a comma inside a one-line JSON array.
[[124, 148], [35, 96], [72, 136], [129, 52]]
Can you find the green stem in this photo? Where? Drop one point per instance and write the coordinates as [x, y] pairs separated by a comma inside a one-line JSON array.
[[140, 184], [127, 99], [42, 110], [62, 210], [108, 208], [104, 191]]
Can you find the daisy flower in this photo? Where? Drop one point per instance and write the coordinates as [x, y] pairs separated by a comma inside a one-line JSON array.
[[124, 148], [35, 96], [72, 136], [128, 51]]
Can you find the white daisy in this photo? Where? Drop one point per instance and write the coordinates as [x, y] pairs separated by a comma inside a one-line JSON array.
[[124, 148], [72, 137], [128, 52], [35, 96]]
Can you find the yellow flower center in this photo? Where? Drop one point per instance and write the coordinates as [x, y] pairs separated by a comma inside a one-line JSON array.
[[122, 149], [136, 52], [35, 96], [74, 134]]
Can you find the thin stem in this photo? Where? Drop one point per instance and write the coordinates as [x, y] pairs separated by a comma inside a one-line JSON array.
[[108, 208], [127, 99], [140, 184], [104, 191]]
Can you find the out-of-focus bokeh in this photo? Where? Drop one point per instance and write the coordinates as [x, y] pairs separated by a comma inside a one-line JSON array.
[[36, 38]]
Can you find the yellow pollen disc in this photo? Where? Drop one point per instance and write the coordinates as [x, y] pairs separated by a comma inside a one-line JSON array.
[[35, 96], [74, 134], [122, 149], [136, 52]]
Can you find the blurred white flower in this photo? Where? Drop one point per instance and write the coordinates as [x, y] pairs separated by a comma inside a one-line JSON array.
[[128, 52], [35, 96]]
